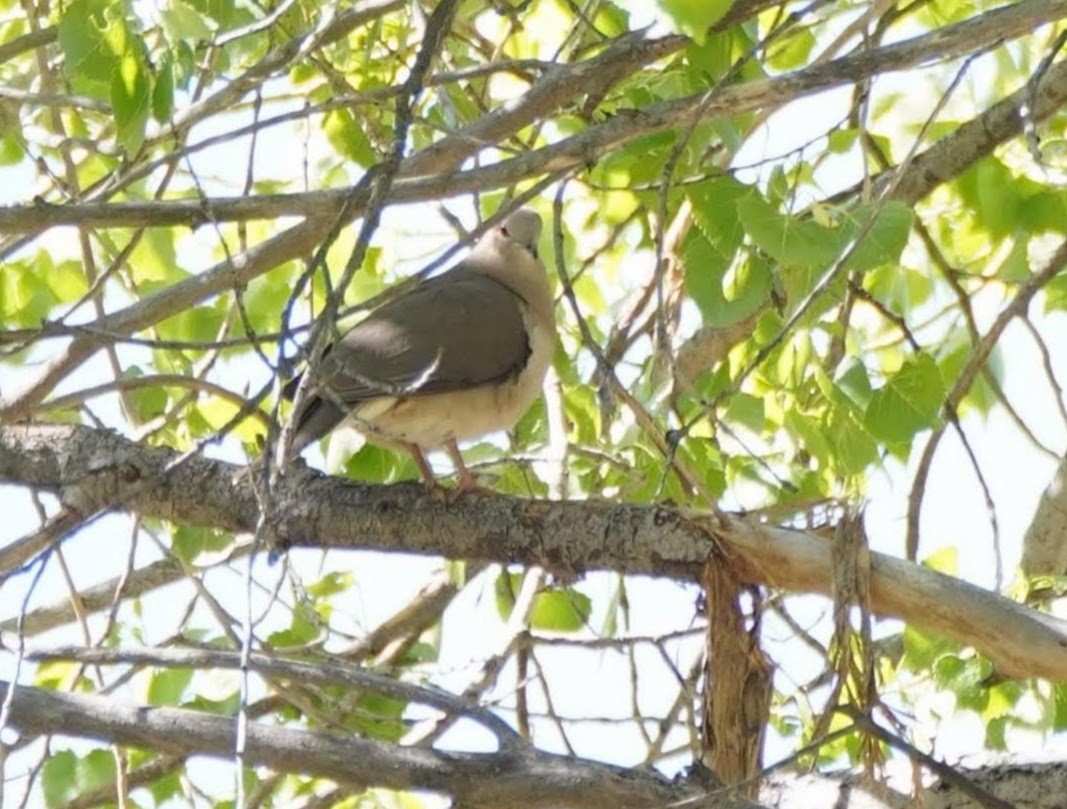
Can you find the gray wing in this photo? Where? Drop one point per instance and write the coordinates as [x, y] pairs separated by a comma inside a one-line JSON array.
[[458, 331]]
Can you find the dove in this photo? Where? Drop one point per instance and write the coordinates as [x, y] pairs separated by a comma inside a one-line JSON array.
[[463, 354]]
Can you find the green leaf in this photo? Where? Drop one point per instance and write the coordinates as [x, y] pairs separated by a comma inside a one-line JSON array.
[[991, 191], [96, 769], [198, 324], [853, 447], [376, 465], [222, 12], [59, 778], [421, 653], [922, 649], [163, 92], [92, 38], [379, 717], [884, 239], [348, 138], [1042, 209], [189, 541], [181, 21], [331, 584], [853, 382], [841, 141], [812, 436], [1059, 718], [583, 415], [611, 20], [1003, 699], [131, 100], [790, 241], [266, 296], [723, 297], [1016, 266], [25, 296], [555, 609], [55, 675], [154, 258], [11, 151], [714, 56], [561, 610], [792, 51], [587, 290], [168, 685], [169, 786], [747, 410], [964, 677], [944, 560], [304, 628], [994, 733], [67, 281], [901, 289], [715, 212], [149, 402], [226, 706], [639, 162], [908, 403], [694, 17]]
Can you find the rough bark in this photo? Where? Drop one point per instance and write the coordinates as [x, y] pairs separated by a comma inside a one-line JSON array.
[[93, 468], [520, 779]]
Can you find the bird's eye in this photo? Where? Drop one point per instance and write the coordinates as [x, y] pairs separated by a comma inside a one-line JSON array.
[[504, 230]]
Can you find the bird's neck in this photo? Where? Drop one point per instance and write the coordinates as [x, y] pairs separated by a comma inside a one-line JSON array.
[[512, 265]]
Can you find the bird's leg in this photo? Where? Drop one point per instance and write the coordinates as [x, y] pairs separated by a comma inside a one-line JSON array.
[[424, 467], [435, 489], [467, 481]]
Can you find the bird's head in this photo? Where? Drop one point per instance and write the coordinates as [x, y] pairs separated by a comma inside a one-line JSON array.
[[523, 228]]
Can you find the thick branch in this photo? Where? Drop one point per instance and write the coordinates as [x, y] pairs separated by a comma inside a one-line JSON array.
[[941, 163], [97, 466], [524, 778]]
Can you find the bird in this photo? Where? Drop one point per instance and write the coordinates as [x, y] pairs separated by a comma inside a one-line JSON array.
[[462, 354]]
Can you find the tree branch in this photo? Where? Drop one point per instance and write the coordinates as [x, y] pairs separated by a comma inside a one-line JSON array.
[[86, 465], [520, 779], [323, 672], [944, 160], [322, 207]]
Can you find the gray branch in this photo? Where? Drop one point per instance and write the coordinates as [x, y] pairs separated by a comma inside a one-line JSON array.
[[559, 87], [90, 466], [979, 32], [324, 672], [521, 779]]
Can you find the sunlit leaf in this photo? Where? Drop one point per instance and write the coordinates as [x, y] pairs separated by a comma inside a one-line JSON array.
[[59, 778], [348, 137], [93, 37], [695, 17], [131, 100], [163, 90], [922, 649], [182, 21], [789, 240], [908, 403], [167, 686], [561, 609]]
